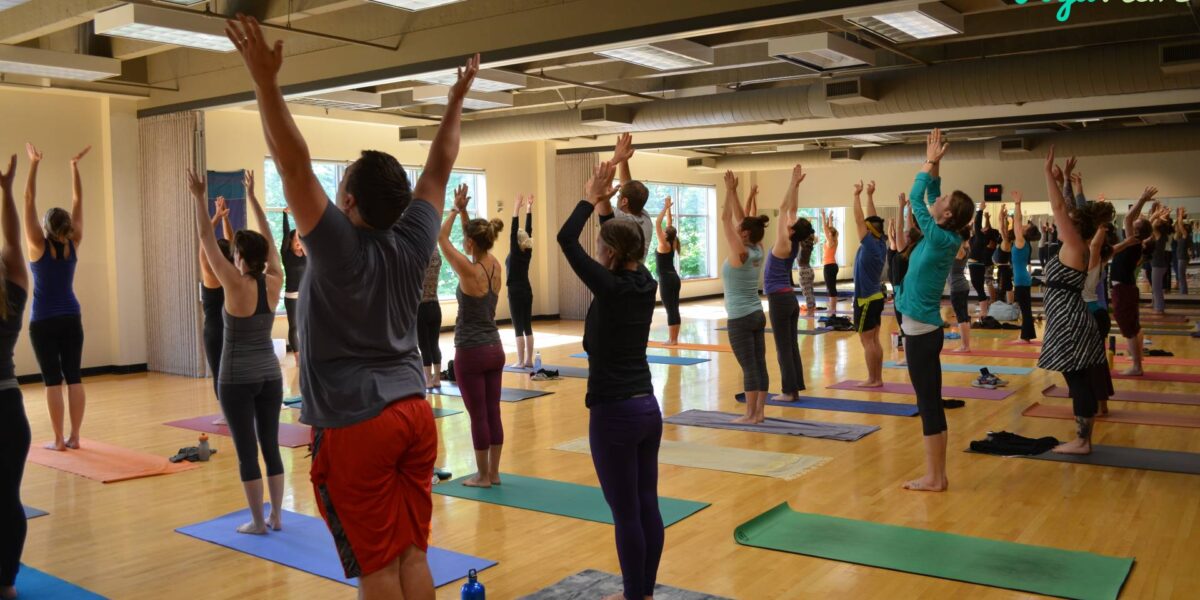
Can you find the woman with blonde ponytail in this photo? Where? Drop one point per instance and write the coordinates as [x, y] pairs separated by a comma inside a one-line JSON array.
[[14, 426], [56, 322], [478, 353]]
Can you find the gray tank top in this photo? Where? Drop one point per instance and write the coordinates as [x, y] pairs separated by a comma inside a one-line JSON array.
[[248, 355], [958, 282], [476, 324]]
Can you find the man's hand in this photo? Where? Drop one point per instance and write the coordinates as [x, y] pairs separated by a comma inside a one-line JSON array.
[[262, 60]]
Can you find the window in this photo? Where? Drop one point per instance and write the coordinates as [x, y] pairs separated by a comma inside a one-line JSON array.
[[330, 173], [693, 210], [838, 216]]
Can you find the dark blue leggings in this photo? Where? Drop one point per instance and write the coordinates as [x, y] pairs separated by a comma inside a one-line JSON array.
[[624, 439], [14, 447]]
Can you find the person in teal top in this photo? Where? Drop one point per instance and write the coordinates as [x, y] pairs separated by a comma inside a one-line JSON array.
[[1022, 280], [739, 275], [868, 283], [943, 222]]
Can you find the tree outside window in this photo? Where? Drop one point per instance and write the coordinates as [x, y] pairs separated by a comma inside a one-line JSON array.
[[692, 210], [839, 221]]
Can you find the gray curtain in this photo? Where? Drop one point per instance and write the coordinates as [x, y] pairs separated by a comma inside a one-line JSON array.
[[170, 145], [571, 173]]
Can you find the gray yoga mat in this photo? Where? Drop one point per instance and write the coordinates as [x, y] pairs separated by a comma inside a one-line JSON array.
[[506, 394], [563, 371], [598, 584], [845, 432], [1132, 458]]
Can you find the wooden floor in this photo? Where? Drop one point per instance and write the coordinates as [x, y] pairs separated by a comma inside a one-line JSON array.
[[118, 539]]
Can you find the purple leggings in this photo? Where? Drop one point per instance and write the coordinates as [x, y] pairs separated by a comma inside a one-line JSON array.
[[477, 371], [624, 439]]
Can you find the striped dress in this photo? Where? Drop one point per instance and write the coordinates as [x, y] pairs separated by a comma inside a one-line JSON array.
[[1070, 342]]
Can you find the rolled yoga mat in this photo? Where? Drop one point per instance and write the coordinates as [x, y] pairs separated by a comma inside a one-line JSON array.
[[106, 463], [894, 409], [698, 347], [291, 435], [39, 585], [305, 544], [965, 368], [662, 359], [1134, 417], [843, 432], [598, 584], [559, 498], [563, 370], [995, 563], [449, 388], [948, 391], [1160, 376], [722, 458], [1131, 458], [1134, 396]]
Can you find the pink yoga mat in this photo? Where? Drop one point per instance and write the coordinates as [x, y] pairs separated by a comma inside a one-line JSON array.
[[1174, 361], [290, 434], [1160, 376], [948, 391], [1134, 417], [1031, 343], [1134, 396], [1167, 318]]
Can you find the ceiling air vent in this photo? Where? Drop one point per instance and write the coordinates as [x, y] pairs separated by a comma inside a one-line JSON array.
[[702, 164], [606, 116], [1179, 58], [1014, 145], [820, 52], [850, 91], [417, 134], [845, 155], [345, 100]]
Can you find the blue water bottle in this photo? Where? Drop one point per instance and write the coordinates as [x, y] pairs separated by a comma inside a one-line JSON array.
[[472, 589], [537, 361]]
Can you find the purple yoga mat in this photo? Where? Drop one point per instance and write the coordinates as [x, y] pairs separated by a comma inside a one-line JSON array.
[[948, 391], [290, 434]]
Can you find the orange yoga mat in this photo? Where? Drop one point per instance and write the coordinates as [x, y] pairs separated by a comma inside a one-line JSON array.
[[1055, 391], [104, 462], [1135, 417], [702, 347]]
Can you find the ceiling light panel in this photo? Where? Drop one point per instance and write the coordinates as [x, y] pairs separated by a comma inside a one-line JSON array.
[[488, 80], [440, 94], [165, 26], [664, 56], [56, 65], [820, 51], [345, 100], [915, 22], [415, 5], [7, 4]]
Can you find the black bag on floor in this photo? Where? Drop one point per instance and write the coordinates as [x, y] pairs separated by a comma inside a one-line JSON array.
[[839, 323], [448, 374], [1003, 443]]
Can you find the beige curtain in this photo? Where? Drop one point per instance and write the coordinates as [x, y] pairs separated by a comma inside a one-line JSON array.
[[571, 172], [170, 145]]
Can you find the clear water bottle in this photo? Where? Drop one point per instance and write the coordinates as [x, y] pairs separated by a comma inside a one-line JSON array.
[[202, 449], [537, 361], [472, 589]]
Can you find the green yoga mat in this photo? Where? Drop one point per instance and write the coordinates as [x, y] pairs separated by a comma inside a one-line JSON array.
[[559, 498], [1036, 569]]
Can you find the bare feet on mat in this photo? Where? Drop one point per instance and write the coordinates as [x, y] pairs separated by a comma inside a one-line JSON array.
[[1132, 372], [785, 398], [73, 442], [477, 481], [743, 420], [275, 521], [1023, 342], [1075, 446], [253, 528], [902, 363], [870, 384], [961, 350], [927, 484], [57, 446], [496, 480], [616, 596], [517, 365]]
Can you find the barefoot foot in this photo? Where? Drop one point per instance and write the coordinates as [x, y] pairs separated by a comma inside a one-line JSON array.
[[496, 481], [1075, 446], [57, 446], [870, 384], [743, 420], [275, 521], [73, 443], [253, 528], [1132, 372], [961, 350], [927, 484], [477, 481]]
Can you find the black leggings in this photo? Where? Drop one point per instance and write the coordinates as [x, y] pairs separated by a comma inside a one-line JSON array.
[[429, 330], [831, 272], [748, 339], [14, 447], [58, 345], [1025, 301], [978, 273], [252, 411], [785, 323], [925, 370], [289, 304], [520, 306], [214, 342], [668, 290]]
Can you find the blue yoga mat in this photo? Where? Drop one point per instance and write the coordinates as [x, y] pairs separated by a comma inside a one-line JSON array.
[[961, 368], [662, 359], [894, 409], [305, 544], [33, 513], [37, 585]]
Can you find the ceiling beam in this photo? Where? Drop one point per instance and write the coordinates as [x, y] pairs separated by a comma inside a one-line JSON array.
[[33, 20]]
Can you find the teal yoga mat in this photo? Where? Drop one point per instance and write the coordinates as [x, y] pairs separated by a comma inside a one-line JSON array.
[[661, 359], [33, 584], [559, 498], [996, 563], [963, 368]]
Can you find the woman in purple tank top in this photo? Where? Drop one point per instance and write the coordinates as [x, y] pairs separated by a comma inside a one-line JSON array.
[[55, 322]]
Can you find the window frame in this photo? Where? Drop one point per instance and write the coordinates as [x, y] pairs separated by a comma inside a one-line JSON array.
[[813, 214], [675, 192]]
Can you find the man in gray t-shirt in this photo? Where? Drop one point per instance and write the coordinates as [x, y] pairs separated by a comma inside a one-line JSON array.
[[631, 198], [374, 440]]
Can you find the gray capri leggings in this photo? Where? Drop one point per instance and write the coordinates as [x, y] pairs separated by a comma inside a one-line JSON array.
[[748, 338]]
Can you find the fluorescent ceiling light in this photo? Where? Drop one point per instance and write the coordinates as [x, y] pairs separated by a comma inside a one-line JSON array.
[[58, 65], [664, 56], [820, 51], [487, 80], [165, 26], [345, 100], [874, 138], [415, 5], [915, 22], [440, 94], [7, 4]]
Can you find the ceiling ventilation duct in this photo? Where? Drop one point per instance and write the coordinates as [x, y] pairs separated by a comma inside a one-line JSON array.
[[821, 52], [1179, 58], [845, 155], [1015, 145], [608, 115], [702, 164], [850, 91]]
